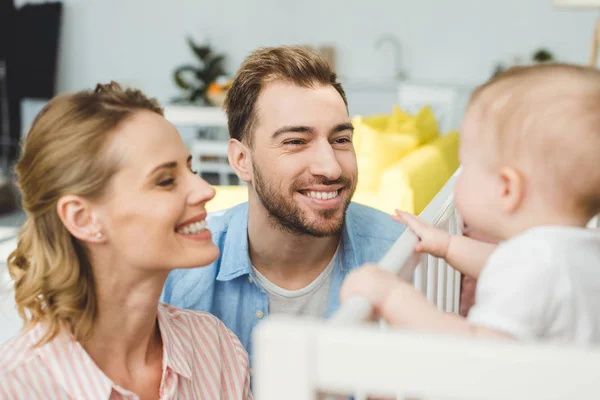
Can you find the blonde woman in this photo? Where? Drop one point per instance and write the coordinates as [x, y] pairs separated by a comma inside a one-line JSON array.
[[112, 206]]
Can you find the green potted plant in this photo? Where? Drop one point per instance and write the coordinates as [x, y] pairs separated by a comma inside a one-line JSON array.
[[539, 56], [198, 80], [542, 56]]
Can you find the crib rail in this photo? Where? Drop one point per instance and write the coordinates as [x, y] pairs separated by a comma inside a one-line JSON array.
[[301, 359], [432, 276]]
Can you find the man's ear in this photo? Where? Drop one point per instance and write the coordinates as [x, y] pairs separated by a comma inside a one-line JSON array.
[[240, 159], [79, 219], [512, 189]]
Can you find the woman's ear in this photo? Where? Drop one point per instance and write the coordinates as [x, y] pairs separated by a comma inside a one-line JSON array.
[[240, 159], [512, 189], [79, 219]]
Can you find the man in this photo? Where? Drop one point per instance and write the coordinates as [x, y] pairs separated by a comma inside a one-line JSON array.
[[289, 247]]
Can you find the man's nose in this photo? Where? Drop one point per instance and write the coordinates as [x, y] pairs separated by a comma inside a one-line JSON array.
[[324, 162]]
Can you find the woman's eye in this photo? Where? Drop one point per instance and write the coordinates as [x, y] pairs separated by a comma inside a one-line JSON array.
[[166, 182]]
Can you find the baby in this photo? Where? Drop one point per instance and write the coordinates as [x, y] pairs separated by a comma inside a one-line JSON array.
[[530, 155]]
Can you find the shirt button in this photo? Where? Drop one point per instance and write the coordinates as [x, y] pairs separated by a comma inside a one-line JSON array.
[[251, 372], [259, 314], [250, 279]]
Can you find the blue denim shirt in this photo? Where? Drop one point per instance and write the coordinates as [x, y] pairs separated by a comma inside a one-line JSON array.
[[227, 289]]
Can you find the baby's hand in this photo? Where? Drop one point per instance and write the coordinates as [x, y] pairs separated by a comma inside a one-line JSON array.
[[370, 282], [431, 240], [393, 299]]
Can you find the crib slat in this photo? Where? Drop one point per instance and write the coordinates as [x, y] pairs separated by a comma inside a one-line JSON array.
[[441, 285], [419, 279], [449, 288], [432, 279], [454, 228], [457, 287]]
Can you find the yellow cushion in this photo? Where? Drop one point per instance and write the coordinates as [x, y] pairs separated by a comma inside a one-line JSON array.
[[413, 182], [378, 122], [422, 126], [377, 151], [357, 122], [400, 121]]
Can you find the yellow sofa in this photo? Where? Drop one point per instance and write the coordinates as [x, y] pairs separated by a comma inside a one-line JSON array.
[[402, 159]]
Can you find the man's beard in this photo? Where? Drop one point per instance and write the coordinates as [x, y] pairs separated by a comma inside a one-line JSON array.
[[288, 216]]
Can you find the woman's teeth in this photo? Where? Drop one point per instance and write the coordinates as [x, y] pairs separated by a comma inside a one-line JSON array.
[[194, 227]]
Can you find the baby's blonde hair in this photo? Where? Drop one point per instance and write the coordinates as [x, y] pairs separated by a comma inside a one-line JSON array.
[[546, 119], [65, 152]]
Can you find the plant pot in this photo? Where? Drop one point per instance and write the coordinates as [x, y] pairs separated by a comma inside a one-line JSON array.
[[217, 99]]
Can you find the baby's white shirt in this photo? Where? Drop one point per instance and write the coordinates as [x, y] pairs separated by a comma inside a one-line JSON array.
[[543, 284]]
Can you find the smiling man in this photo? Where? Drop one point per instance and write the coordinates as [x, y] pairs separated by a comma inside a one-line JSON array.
[[289, 247]]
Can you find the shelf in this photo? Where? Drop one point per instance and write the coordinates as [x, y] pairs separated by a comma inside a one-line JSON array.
[[196, 116]]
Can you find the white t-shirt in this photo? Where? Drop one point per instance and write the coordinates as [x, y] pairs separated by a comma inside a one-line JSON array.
[[543, 284], [309, 301]]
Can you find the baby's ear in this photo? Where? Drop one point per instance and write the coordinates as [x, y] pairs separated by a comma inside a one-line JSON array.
[[512, 189]]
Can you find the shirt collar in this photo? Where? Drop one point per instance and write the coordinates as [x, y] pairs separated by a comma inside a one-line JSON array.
[[235, 259], [177, 353], [71, 366], [348, 259]]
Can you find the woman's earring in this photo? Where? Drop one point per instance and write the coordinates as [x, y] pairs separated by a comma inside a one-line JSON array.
[[99, 235]]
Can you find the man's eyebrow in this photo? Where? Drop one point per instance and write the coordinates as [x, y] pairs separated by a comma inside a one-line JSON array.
[[292, 129], [346, 126]]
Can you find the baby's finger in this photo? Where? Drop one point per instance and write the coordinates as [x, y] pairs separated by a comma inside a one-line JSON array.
[[413, 222], [398, 219]]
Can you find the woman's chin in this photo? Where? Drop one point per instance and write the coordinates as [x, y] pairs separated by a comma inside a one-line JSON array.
[[200, 257]]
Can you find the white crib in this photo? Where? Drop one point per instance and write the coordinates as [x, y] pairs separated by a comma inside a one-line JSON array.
[[301, 359]]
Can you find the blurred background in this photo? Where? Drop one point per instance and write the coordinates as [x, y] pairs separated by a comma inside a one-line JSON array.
[[141, 42]]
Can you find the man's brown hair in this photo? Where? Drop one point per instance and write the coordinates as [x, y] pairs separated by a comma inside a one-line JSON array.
[[293, 64]]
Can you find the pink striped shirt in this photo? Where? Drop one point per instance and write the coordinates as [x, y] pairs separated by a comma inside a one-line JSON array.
[[202, 359]]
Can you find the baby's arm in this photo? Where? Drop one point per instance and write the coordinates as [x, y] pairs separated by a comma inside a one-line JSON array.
[[468, 255], [399, 304], [464, 254]]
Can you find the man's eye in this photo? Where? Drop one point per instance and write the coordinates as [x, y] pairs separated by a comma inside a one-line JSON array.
[[293, 142], [342, 140]]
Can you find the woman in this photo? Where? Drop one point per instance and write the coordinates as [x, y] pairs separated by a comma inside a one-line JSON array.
[[112, 206]]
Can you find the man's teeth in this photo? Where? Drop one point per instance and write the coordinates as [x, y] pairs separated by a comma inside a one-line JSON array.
[[323, 195], [194, 227]]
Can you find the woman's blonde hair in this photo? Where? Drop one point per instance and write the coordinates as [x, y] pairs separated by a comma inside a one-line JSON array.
[[65, 152]]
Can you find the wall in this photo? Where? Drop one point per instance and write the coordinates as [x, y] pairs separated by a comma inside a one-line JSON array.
[[140, 42]]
